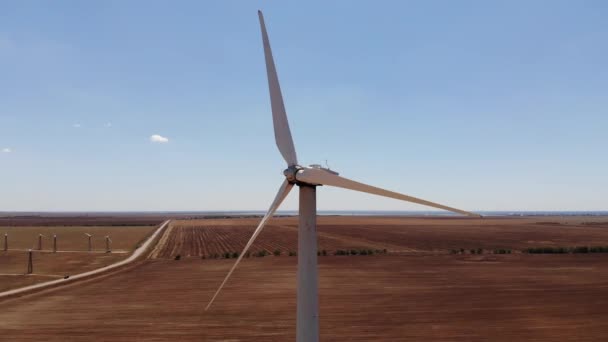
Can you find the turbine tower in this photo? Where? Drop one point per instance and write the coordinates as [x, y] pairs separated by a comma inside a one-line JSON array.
[[307, 179], [40, 236], [54, 243], [90, 244], [108, 243], [30, 263], [5, 242]]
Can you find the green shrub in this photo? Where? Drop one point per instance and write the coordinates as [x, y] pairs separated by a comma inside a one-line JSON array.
[[479, 251], [235, 255], [462, 251], [261, 253], [502, 251], [472, 251], [227, 255], [277, 252], [563, 250], [548, 250], [248, 254], [324, 252], [341, 252], [363, 252], [178, 257], [292, 253], [353, 252]]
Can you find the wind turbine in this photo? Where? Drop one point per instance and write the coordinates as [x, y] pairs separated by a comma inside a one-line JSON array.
[[40, 236], [108, 242], [307, 179], [30, 262], [89, 236]]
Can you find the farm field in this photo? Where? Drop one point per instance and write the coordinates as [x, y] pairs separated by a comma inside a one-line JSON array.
[[79, 219], [416, 292], [379, 298], [72, 256], [72, 238], [197, 238]]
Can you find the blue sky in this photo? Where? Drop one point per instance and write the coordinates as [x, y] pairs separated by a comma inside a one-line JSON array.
[[475, 104]]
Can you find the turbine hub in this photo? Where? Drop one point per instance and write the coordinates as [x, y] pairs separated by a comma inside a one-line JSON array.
[[290, 173]]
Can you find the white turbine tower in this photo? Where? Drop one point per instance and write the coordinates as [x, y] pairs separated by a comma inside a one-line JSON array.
[[90, 244], [30, 262], [108, 244], [307, 178]]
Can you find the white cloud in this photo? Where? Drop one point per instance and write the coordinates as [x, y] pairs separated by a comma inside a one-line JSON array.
[[76, 125], [6, 150], [155, 138], [108, 124]]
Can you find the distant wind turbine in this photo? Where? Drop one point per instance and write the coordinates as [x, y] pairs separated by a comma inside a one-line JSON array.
[[30, 262], [40, 236], [108, 243], [307, 178], [90, 244]]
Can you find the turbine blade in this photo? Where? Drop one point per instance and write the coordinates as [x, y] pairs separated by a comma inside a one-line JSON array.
[[321, 177], [283, 192], [282, 134]]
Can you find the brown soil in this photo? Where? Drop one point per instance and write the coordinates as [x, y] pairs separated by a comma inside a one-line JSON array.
[[398, 235], [410, 296]]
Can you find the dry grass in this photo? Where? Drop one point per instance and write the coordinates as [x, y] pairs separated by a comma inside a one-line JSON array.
[[72, 256], [72, 238]]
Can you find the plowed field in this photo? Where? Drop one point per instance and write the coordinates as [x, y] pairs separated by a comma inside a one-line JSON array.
[[197, 238]]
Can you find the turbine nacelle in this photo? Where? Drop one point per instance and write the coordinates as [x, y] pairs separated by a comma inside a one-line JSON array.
[[296, 174]]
